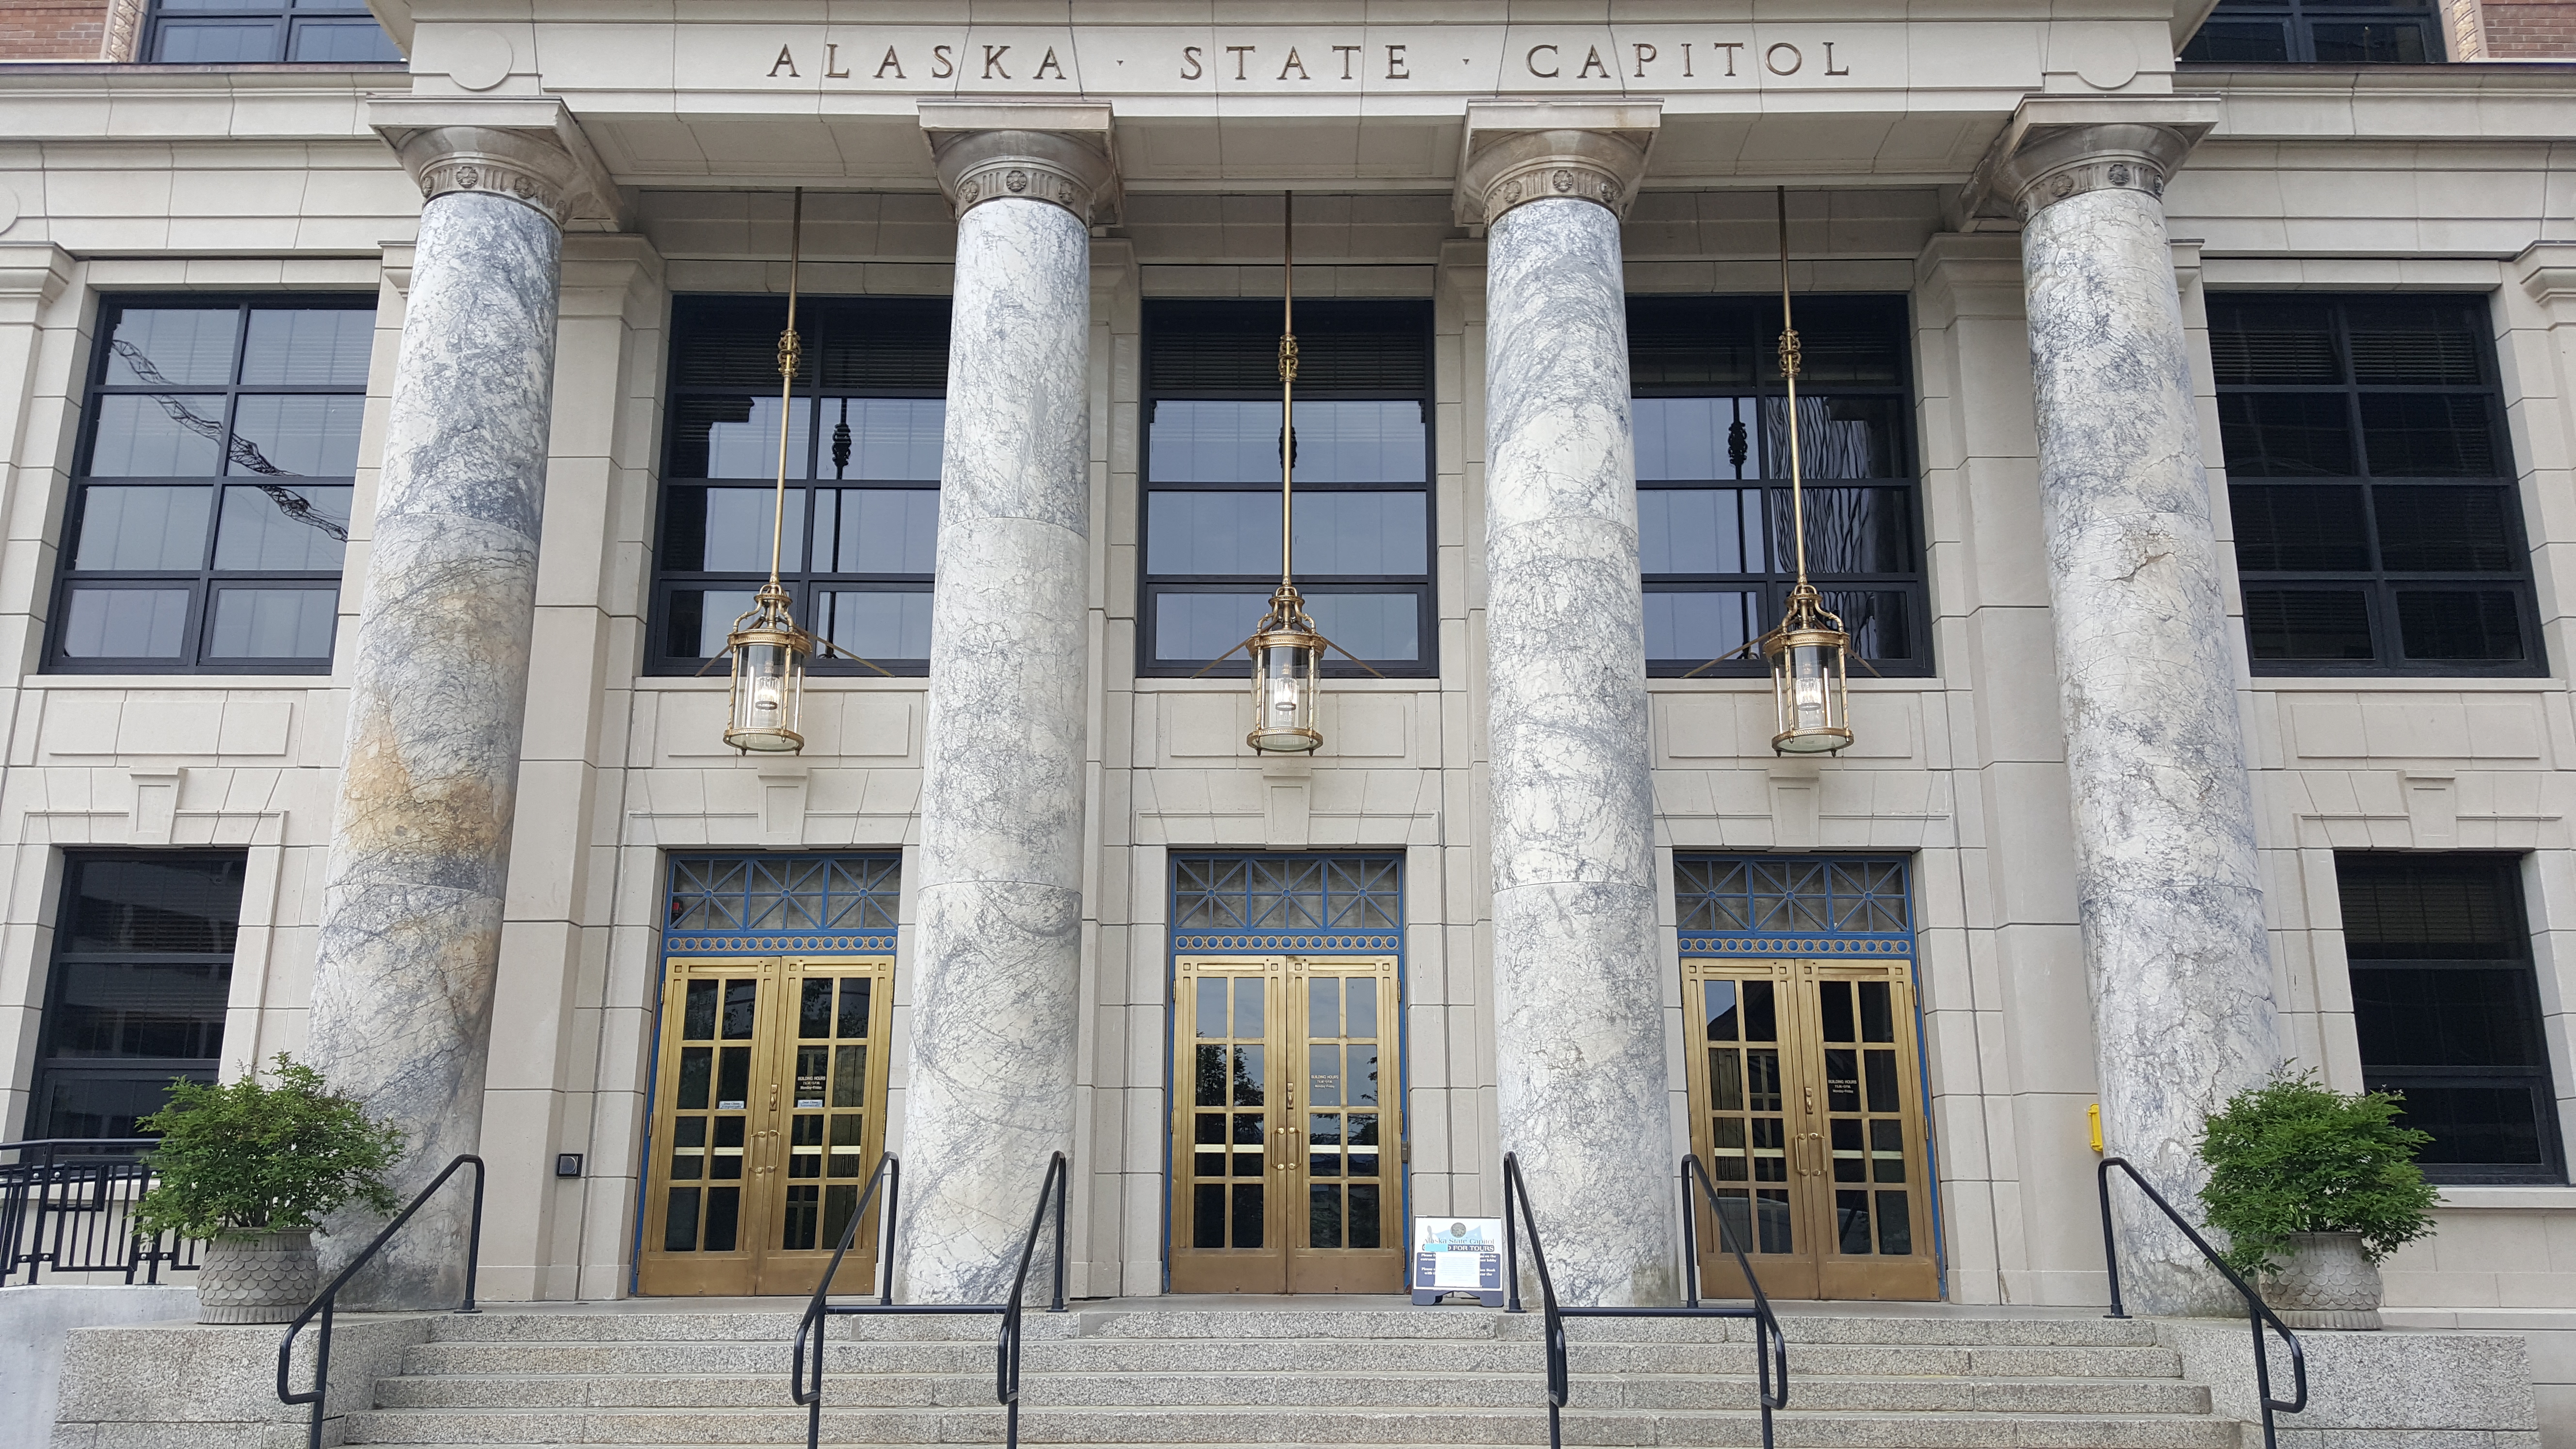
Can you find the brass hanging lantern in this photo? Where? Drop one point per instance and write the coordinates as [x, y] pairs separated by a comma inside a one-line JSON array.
[[1809, 650], [766, 647], [1287, 651]]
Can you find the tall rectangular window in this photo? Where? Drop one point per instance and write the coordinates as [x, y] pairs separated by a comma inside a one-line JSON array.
[[1716, 540], [2319, 32], [142, 966], [1210, 531], [2448, 1010], [2378, 530], [864, 434], [210, 501], [251, 32]]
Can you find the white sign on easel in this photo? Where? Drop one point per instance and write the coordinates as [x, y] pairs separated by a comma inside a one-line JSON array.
[[1458, 1255]]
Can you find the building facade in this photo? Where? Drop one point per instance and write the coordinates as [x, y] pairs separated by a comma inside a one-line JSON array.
[[392, 417]]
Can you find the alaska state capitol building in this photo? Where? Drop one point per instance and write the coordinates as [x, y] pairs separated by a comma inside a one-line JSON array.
[[389, 428]]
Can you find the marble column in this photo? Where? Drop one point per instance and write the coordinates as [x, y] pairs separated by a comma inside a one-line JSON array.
[[2167, 888], [437, 673], [1578, 974], [997, 951]]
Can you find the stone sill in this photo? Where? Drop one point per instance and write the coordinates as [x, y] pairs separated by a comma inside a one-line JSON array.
[[2400, 684], [2478, 1197]]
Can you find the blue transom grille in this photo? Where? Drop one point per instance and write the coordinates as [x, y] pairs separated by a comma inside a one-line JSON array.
[[782, 902], [1287, 902], [1737, 905]]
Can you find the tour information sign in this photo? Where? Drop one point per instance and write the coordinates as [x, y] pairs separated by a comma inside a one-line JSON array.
[[1458, 1255]]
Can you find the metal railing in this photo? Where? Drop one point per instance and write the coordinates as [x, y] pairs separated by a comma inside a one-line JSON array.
[[805, 1374], [2257, 1312], [1771, 1355], [67, 1206], [327, 1302]]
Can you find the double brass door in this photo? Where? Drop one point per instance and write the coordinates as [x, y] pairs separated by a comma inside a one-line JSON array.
[[768, 1115], [1806, 1108], [1287, 1126]]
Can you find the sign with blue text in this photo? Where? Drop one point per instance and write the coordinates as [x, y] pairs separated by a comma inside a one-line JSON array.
[[1458, 1256]]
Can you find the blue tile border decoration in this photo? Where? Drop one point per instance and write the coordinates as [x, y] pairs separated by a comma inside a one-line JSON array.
[[772, 943], [1350, 942], [1755, 943]]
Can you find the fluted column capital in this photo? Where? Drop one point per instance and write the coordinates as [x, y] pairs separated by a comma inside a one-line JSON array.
[[1049, 151], [1521, 151], [2058, 147], [527, 150]]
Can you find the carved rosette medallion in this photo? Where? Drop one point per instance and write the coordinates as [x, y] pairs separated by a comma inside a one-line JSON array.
[[2050, 164], [1568, 165], [2078, 178], [1026, 178], [531, 169]]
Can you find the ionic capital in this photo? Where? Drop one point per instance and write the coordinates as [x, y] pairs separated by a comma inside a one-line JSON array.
[[2061, 147], [527, 151], [1518, 151], [1036, 151]]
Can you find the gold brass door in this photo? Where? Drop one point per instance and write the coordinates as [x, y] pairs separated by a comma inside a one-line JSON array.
[[768, 1115], [1287, 1127], [1806, 1107]]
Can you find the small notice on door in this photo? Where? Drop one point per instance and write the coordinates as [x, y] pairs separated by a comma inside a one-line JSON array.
[[1458, 1255]]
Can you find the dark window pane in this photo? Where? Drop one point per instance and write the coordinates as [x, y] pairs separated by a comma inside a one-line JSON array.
[[81, 1103], [1238, 442], [2412, 1017], [2428, 435], [2270, 340], [2317, 624], [162, 346], [304, 435], [2286, 435], [2459, 624], [308, 347], [186, 904], [342, 41], [282, 529], [896, 439], [158, 435], [1699, 625], [2387, 43], [1374, 346], [1852, 530], [281, 623], [140, 1009], [2240, 42], [2498, 1126], [731, 342], [736, 437], [875, 624], [2431, 907], [1368, 534], [148, 527], [215, 42], [727, 530], [1370, 626], [1837, 437], [1195, 628], [1876, 620], [2445, 529], [1701, 531], [2299, 527], [874, 530], [1697, 439], [2438, 343], [125, 623], [700, 619]]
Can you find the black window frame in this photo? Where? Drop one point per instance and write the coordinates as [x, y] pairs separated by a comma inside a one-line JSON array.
[[816, 318], [206, 578], [288, 18], [2296, 23], [1658, 318], [62, 962], [1259, 320], [2380, 585], [2515, 952]]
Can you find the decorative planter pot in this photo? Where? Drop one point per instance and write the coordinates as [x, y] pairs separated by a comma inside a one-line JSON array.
[[257, 1277], [2324, 1282]]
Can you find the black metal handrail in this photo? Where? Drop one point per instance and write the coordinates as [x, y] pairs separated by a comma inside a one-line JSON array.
[[327, 1302], [807, 1390], [1770, 1348], [67, 1206], [2257, 1312], [1770, 1353]]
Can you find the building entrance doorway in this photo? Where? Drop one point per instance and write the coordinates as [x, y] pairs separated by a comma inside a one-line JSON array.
[[768, 1114], [1287, 1126], [1806, 1108]]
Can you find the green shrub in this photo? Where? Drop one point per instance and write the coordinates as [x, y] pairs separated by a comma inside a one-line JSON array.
[[2291, 1156], [250, 1157]]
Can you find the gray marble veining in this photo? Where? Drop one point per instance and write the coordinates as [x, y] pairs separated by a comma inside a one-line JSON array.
[[1579, 1029], [437, 663], [997, 947], [2171, 905]]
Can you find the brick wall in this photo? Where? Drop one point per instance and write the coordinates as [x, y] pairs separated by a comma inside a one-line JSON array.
[[2530, 29], [52, 29]]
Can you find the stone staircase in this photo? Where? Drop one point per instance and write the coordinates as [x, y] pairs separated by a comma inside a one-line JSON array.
[[1150, 1372]]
